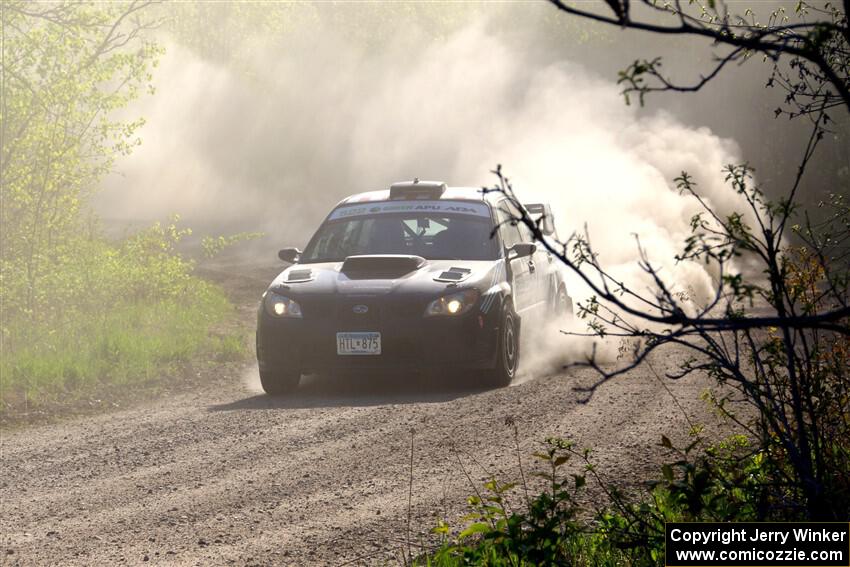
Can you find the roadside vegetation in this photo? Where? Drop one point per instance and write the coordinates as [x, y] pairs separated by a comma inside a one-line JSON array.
[[775, 336], [121, 316], [757, 475], [556, 526], [82, 316]]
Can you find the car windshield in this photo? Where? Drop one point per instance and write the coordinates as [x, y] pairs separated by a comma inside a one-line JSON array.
[[459, 233]]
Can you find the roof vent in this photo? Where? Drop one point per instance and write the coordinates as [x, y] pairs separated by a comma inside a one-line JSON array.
[[417, 189]]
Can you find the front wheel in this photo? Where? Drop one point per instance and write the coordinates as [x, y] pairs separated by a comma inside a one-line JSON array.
[[507, 359], [279, 382]]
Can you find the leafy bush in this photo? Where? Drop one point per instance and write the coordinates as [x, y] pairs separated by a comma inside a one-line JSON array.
[[546, 532], [728, 481], [109, 315], [80, 314]]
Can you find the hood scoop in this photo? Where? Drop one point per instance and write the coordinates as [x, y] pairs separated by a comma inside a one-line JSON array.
[[380, 266], [453, 275], [299, 276]]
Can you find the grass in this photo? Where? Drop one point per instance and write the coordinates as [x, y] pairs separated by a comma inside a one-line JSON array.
[[125, 318], [130, 344], [708, 481], [581, 549]]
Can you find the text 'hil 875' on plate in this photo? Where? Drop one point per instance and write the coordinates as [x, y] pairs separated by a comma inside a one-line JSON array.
[[361, 343]]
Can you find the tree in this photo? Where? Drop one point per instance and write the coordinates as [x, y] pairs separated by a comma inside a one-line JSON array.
[[67, 68], [778, 335], [810, 57]]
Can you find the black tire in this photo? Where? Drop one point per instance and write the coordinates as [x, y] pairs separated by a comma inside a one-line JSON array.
[[279, 382], [507, 357]]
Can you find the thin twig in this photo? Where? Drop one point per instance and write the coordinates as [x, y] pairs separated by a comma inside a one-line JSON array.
[[410, 497]]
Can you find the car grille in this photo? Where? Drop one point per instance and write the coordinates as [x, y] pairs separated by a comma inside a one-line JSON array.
[[341, 310]]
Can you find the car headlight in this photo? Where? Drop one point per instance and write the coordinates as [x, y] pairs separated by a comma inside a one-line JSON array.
[[280, 306], [454, 304]]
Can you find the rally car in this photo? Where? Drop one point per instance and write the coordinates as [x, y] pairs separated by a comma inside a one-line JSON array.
[[417, 277]]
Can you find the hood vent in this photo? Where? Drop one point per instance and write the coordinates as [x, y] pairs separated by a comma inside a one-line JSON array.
[[299, 276], [454, 275], [380, 266]]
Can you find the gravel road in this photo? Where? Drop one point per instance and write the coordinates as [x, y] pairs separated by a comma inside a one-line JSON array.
[[229, 476]]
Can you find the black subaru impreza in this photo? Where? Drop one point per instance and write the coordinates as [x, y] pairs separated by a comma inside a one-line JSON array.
[[418, 277]]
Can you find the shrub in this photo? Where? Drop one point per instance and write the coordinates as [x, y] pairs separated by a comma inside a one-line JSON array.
[[109, 315], [727, 481]]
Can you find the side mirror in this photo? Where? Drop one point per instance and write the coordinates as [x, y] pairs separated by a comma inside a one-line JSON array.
[[289, 255], [521, 250]]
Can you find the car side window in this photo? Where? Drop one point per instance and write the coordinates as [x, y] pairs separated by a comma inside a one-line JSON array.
[[508, 230], [525, 233]]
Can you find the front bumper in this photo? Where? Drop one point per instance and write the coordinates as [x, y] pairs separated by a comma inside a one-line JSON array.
[[409, 341]]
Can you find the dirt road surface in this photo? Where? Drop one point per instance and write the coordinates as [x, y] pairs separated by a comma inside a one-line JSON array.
[[229, 476]]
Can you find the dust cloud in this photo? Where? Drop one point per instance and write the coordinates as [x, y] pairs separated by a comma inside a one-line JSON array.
[[272, 147]]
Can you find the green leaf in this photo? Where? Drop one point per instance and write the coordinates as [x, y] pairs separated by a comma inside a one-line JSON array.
[[476, 528], [580, 480], [441, 528]]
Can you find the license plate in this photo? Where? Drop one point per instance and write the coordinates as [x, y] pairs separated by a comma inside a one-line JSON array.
[[358, 343]]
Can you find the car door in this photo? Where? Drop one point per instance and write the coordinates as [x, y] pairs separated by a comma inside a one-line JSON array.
[[549, 270], [521, 270], [539, 265]]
